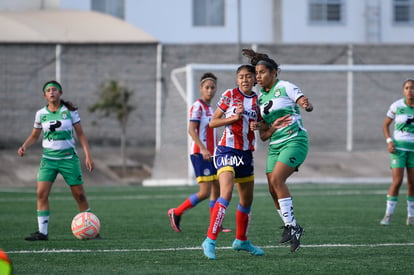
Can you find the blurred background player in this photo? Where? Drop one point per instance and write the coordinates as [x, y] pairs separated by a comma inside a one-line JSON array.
[[57, 120], [401, 150], [279, 103], [233, 158], [204, 141]]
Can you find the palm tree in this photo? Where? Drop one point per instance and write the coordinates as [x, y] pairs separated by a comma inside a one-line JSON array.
[[113, 100]]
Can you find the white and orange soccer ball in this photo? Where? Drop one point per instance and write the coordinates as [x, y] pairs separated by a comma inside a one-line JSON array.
[[85, 225]]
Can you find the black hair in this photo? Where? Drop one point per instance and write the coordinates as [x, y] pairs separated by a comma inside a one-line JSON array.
[[208, 75], [68, 104], [408, 80], [249, 68], [260, 58]]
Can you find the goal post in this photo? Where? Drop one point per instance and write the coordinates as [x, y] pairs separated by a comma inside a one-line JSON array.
[[185, 82]]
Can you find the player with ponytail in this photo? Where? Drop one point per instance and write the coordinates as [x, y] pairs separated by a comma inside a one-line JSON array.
[[279, 104], [58, 120]]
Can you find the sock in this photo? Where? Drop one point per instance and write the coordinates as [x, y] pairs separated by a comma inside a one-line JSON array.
[[211, 204], [43, 220], [391, 203], [242, 222], [280, 213], [286, 207], [410, 206], [190, 202], [219, 211]]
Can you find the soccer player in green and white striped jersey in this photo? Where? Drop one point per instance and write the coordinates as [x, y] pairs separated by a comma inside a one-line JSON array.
[[401, 149], [279, 103], [58, 120]]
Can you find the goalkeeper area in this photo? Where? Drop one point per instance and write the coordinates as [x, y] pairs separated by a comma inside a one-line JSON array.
[[350, 104], [341, 222]]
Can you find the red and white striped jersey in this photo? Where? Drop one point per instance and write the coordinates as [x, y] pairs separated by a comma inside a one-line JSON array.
[[202, 112], [238, 134]]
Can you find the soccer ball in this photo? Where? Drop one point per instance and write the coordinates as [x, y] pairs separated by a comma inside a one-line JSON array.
[[5, 263], [85, 225]]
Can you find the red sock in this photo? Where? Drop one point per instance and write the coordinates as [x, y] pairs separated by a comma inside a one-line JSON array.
[[242, 225], [216, 219], [183, 207]]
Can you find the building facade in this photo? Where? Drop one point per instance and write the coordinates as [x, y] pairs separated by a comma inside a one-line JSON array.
[[259, 21], [265, 21]]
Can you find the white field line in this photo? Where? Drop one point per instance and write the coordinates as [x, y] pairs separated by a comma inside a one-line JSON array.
[[297, 193], [59, 251]]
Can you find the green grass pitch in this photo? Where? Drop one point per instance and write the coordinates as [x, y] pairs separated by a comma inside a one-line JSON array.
[[342, 233]]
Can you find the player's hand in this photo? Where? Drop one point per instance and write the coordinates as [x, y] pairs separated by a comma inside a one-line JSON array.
[[206, 154], [307, 105], [391, 147], [21, 151], [89, 164], [282, 122], [254, 125], [239, 110]]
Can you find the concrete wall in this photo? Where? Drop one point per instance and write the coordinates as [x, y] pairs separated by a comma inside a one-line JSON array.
[[25, 68]]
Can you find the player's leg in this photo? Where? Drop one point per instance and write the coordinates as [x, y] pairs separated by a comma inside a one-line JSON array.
[[274, 196], [214, 195], [410, 189], [70, 170], [79, 194], [278, 185], [45, 177], [43, 212], [397, 164], [226, 177], [291, 156], [205, 174], [245, 190], [174, 214]]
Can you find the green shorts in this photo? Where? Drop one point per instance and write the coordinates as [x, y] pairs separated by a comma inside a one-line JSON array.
[[402, 159], [70, 170], [292, 152]]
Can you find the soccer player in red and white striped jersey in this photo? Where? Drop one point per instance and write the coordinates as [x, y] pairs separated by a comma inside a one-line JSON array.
[[233, 158], [204, 141]]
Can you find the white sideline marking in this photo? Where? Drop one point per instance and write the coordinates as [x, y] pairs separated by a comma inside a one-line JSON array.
[[58, 251], [256, 194]]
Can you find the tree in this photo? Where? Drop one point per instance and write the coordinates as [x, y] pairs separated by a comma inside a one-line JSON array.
[[114, 100]]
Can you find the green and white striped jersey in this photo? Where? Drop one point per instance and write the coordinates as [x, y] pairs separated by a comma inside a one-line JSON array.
[[403, 116], [58, 140], [278, 102]]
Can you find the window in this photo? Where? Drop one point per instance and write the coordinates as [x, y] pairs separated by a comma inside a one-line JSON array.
[[112, 7], [208, 13], [403, 11], [328, 11]]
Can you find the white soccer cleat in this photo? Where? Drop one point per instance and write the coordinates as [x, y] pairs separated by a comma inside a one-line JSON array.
[[386, 220]]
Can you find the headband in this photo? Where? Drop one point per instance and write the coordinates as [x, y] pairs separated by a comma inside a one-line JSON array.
[[208, 78], [54, 85]]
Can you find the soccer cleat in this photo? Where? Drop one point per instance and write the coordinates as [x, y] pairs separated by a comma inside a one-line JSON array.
[[174, 220], [387, 220], [36, 236], [247, 246], [295, 241], [410, 220], [225, 230], [289, 231], [209, 247]]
